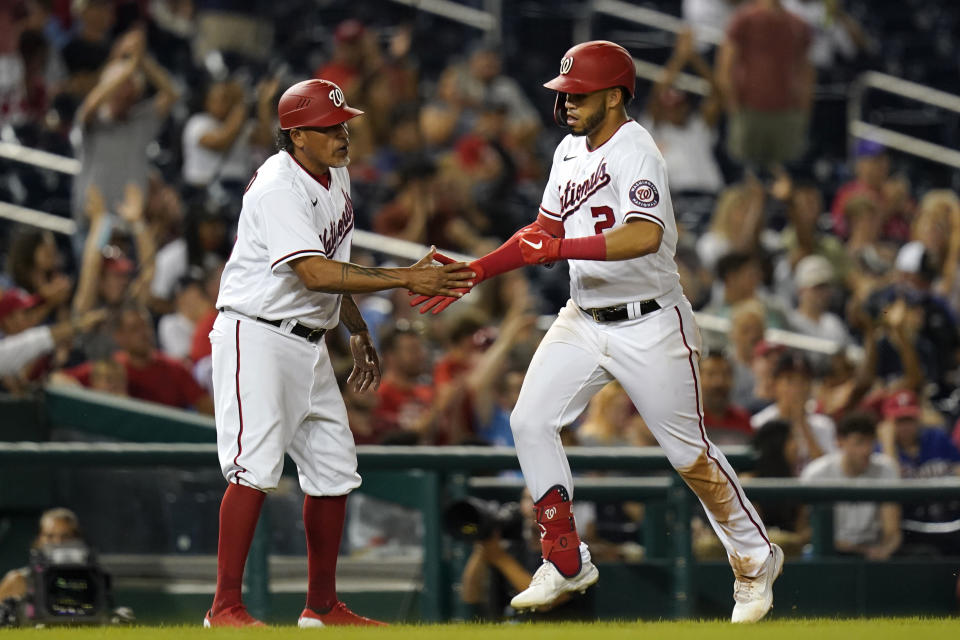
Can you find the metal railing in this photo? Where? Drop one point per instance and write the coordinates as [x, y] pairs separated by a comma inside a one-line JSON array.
[[429, 477], [912, 145]]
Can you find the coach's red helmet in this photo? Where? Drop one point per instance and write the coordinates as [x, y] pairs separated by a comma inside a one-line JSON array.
[[314, 103], [592, 66]]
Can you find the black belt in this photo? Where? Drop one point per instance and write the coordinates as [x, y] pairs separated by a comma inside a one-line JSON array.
[[620, 311], [301, 330]]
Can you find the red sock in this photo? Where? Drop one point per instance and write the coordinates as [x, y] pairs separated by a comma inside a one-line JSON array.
[[239, 512], [558, 531], [323, 521]]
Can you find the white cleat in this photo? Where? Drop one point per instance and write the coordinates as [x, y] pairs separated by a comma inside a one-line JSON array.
[[548, 584], [754, 596]]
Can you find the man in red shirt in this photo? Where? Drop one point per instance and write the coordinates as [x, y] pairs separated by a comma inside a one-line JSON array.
[[726, 423], [403, 412], [767, 84], [151, 375]]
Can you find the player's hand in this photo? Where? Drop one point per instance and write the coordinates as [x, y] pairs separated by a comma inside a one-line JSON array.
[[366, 363], [436, 304], [538, 247], [446, 280]]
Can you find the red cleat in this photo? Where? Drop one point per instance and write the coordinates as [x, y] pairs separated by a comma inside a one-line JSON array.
[[235, 616], [338, 616]]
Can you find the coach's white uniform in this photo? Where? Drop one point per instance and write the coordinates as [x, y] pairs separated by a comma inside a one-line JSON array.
[[274, 391], [654, 355]]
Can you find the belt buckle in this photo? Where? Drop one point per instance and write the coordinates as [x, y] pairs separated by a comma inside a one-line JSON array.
[[315, 334], [595, 313]]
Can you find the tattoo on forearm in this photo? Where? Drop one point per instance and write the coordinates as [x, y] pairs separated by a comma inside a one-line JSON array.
[[350, 315], [348, 269]]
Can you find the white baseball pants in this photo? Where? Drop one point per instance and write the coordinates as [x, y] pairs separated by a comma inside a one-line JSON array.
[[275, 393], [655, 358]]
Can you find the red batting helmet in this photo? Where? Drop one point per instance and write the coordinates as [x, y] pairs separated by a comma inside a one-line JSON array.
[[314, 103], [592, 66]]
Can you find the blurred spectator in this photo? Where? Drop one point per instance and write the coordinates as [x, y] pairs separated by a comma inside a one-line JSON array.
[[217, 141], [814, 278], [726, 423], [56, 526], [22, 342], [928, 322], [921, 452], [870, 258], [408, 409], [205, 245], [695, 279], [117, 122], [465, 87], [835, 32], [686, 138], [708, 17], [493, 386], [762, 364], [34, 263], [777, 457], [873, 180], [735, 225], [151, 375], [108, 376], [420, 213], [612, 421], [175, 331], [236, 27], [861, 528], [802, 237], [747, 326], [937, 227], [88, 49], [351, 62], [740, 276], [814, 432], [106, 274], [767, 83]]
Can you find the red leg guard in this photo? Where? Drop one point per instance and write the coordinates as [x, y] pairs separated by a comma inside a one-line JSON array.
[[559, 541]]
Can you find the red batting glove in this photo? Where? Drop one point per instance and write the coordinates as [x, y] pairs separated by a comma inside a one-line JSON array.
[[436, 304], [538, 247]]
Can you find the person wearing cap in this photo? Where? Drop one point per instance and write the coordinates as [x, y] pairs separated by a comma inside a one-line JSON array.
[[287, 282], [815, 432], [21, 343], [866, 529], [872, 179], [814, 277], [930, 317], [921, 452]]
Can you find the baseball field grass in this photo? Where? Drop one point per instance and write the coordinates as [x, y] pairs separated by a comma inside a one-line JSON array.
[[813, 629]]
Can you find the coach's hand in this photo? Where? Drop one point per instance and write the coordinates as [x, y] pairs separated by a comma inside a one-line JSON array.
[[538, 247], [366, 363], [445, 280], [436, 304]]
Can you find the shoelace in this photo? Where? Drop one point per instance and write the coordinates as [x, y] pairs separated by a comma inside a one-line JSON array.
[[746, 589], [540, 576]]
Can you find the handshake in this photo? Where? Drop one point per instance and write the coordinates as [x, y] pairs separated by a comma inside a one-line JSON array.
[[530, 245]]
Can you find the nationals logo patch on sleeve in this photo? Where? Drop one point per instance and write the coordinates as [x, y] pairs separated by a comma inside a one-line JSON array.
[[644, 193]]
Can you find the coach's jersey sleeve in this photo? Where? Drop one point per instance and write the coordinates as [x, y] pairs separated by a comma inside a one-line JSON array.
[[288, 231], [550, 204], [642, 186]]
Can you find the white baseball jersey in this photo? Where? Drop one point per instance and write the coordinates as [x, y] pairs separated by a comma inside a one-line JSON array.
[[591, 190], [287, 213]]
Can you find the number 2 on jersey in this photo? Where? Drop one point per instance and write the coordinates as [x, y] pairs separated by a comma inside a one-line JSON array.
[[606, 213]]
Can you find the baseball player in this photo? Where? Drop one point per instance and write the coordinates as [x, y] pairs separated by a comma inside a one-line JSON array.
[[607, 209], [287, 282]]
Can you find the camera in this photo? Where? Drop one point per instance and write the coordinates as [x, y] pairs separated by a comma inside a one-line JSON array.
[[65, 586], [473, 520]]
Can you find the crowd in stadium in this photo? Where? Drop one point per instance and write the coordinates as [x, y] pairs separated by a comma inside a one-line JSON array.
[[170, 105]]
